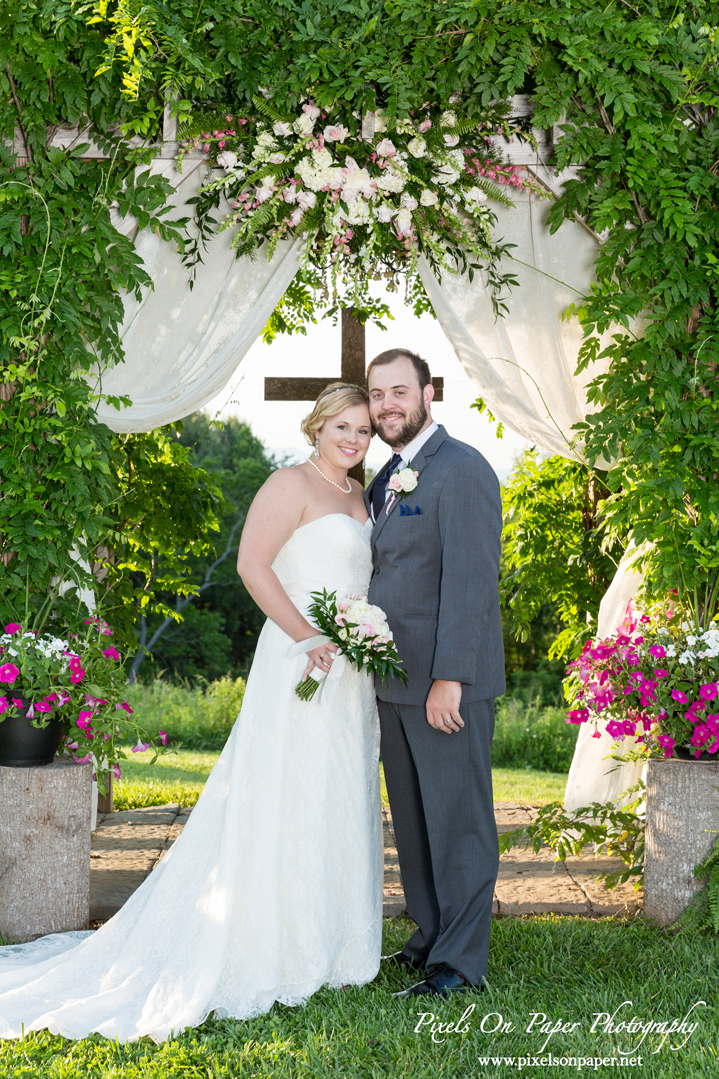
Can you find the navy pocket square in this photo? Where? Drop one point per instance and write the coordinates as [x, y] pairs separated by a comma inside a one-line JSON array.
[[409, 511]]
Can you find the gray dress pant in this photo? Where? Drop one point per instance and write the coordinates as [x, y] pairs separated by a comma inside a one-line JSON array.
[[440, 794]]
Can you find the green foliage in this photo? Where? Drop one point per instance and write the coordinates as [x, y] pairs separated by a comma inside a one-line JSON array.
[[703, 910], [615, 830], [193, 717], [527, 735], [66, 503], [555, 548]]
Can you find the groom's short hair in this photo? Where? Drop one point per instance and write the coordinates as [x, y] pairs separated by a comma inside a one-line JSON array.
[[421, 366]]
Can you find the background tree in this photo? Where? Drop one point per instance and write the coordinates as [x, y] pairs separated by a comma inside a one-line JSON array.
[[219, 624]]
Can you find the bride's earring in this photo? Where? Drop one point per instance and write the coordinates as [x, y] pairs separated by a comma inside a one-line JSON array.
[[316, 454]]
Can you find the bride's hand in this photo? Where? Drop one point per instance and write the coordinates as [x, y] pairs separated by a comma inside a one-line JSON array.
[[320, 657]]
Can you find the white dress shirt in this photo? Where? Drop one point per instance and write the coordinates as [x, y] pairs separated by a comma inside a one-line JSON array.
[[410, 452]]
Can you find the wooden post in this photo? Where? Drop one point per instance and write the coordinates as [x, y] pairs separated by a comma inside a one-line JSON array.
[[353, 370], [44, 849]]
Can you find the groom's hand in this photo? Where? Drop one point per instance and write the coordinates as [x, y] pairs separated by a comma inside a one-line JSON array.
[[443, 706]]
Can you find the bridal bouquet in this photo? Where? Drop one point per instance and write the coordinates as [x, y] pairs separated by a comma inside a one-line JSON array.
[[362, 634], [656, 680]]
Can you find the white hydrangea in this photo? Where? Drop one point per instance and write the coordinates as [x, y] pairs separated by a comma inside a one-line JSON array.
[[390, 180], [358, 212], [317, 178], [457, 156]]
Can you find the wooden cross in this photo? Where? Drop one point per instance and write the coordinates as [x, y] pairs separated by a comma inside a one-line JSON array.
[[353, 370]]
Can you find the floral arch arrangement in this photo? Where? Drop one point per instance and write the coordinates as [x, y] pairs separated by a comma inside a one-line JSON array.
[[368, 197]]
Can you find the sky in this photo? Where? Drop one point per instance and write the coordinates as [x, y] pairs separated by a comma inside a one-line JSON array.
[[277, 423]]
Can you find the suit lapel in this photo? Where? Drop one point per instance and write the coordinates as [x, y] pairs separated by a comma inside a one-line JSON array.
[[417, 464]]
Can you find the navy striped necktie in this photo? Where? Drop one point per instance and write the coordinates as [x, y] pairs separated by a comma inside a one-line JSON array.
[[379, 491]]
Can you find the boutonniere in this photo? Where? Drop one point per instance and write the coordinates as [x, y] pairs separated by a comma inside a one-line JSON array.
[[401, 483]]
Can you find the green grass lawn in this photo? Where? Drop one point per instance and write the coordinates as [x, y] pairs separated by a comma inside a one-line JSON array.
[[567, 969], [179, 776]]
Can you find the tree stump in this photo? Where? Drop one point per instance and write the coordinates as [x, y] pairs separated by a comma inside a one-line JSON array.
[[682, 827], [44, 849]]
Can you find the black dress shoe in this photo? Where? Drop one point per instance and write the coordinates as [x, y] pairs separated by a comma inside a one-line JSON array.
[[440, 983], [399, 959]]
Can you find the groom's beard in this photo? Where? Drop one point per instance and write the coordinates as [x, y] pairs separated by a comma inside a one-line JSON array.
[[403, 435]]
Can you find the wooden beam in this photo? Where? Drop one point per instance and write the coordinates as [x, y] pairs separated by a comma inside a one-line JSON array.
[[309, 389], [353, 349]]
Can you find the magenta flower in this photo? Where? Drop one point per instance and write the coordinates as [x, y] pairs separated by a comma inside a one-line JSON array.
[[125, 705], [3, 705], [677, 695], [615, 729], [16, 702], [596, 734], [43, 706], [116, 771], [141, 747], [578, 715], [71, 745], [51, 697], [83, 720], [77, 675], [709, 691], [667, 742], [9, 672], [163, 738], [657, 651], [82, 760], [662, 673], [111, 653], [12, 627]]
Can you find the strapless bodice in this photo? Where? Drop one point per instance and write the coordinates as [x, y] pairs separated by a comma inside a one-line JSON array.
[[331, 552]]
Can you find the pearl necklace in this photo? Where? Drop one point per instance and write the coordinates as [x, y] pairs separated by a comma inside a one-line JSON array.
[[345, 491]]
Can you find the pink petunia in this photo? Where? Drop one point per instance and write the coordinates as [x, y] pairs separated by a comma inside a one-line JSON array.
[[709, 691], [12, 627], [9, 672], [597, 734], [123, 705], [163, 737], [43, 706], [578, 715], [77, 675], [16, 702], [667, 742], [82, 760], [83, 720], [662, 674], [657, 651], [116, 771], [111, 653], [3, 705], [141, 747], [677, 695]]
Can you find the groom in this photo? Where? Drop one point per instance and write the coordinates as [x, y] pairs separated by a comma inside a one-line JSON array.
[[436, 551]]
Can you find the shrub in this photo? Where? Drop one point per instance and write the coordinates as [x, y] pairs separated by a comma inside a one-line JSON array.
[[529, 736], [196, 717]]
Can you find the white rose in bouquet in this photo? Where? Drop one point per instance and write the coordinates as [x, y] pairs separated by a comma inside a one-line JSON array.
[[277, 159], [386, 148], [475, 195], [281, 128], [428, 198], [357, 181], [408, 201], [385, 213], [408, 479], [335, 133], [227, 160], [417, 147], [446, 175], [448, 119], [404, 221], [451, 140], [306, 199], [304, 124]]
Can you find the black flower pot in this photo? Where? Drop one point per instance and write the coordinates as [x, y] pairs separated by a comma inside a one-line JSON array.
[[25, 746], [685, 754]]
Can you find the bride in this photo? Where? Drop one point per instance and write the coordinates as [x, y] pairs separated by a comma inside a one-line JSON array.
[[274, 888]]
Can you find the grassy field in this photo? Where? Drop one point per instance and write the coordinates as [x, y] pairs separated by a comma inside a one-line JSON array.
[[179, 776], [565, 969]]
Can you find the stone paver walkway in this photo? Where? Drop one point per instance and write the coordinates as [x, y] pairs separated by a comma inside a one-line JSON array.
[[126, 846]]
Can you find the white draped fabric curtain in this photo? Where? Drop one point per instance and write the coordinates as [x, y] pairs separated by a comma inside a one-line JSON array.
[[183, 345]]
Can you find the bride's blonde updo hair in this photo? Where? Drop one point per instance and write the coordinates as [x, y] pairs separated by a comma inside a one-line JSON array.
[[334, 399]]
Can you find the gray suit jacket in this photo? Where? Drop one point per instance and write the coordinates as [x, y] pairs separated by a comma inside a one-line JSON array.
[[436, 574]]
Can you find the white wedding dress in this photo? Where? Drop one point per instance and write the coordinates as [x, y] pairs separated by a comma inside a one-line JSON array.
[[274, 888]]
